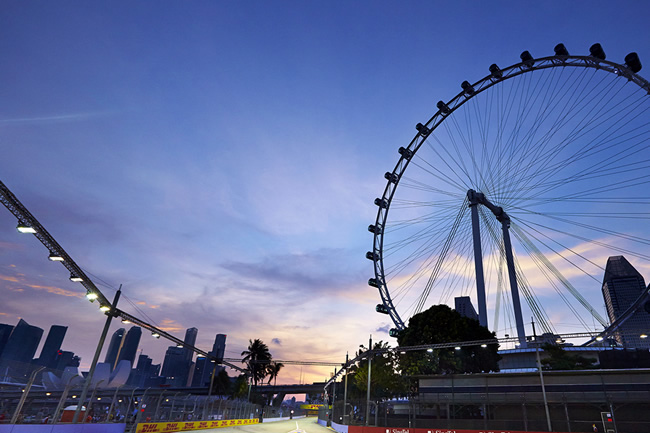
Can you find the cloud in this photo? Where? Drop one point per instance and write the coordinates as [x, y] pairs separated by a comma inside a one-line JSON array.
[[171, 326], [56, 118], [276, 341], [50, 289], [384, 328]]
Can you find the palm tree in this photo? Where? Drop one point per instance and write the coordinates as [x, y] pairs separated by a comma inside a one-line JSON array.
[[273, 370], [256, 357]]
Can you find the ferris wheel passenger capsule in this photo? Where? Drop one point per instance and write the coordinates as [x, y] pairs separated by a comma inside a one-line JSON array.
[[527, 59], [423, 130], [374, 229], [372, 256], [391, 177], [444, 108], [407, 154], [632, 62], [560, 50], [597, 51], [495, 71], [373, 283], [468, 88], [381, 308], [382, 203]]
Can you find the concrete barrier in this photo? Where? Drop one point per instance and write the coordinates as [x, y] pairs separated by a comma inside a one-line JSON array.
[[62, 428]]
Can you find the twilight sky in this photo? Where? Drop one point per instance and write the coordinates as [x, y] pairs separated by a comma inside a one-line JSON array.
[[220, 159]]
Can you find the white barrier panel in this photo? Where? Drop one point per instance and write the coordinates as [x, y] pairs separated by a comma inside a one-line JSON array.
[[62, 428], [284, 418], [340, 428]]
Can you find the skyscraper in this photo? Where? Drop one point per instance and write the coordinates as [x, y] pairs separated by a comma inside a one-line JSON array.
[[5, 332], [463, 304], [129, 346], [622, 285], [202, 363], [114, 347], [52, 346], [190, 340], [22, 343], [204, 368], [175, 366], [219, 346]]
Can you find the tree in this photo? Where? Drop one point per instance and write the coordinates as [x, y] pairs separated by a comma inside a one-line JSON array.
[[221, 384], [240, 387], [560, 359], [385, 379], [273, 370], [256, 357], [441, 324]]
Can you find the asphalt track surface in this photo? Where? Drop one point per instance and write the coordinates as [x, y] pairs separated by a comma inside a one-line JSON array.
[[302, 425]]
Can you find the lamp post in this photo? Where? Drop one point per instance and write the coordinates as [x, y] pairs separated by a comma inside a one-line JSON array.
[[100, 344], [110, 410], [369, 371], [14, 418], [333, 396], [345, 393], [160, 398], [90, 402], [214, 370], [541, 378], [64, 395]]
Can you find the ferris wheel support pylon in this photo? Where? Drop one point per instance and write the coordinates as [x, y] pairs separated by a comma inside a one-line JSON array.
[[476, 198], [478, 259]]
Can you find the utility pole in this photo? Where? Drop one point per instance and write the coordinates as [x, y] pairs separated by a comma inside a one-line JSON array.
[[345, 393], [541, 377], [100, 344], [369, 371]]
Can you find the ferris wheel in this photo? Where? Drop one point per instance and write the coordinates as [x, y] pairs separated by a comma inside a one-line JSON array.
[[516, 191]]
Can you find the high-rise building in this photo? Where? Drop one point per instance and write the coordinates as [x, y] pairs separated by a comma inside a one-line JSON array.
[[66, 359], [178, 366], [622, 285], [204, 368], [190, 340], [129, 346], [22, 343], [200, 366], [175, 366], [5, 332], [52, 346], [463, 304], [219, 346], [142, 372], [114, 347]]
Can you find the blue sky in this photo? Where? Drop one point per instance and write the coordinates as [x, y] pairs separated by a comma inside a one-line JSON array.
[[220, 159]]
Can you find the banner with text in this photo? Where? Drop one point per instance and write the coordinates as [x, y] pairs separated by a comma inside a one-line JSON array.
[[169, 427]]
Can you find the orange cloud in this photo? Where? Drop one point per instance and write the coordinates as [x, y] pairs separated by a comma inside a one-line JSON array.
[[56, 290], [170, 325], [49, 289], [8, 278]]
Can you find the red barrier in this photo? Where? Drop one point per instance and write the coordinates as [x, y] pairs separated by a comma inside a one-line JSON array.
[[360, 429]]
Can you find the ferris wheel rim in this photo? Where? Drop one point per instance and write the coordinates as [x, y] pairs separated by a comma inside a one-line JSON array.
[[444, 110]]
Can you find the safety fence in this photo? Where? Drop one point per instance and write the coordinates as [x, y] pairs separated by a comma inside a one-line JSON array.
[[126, 406]]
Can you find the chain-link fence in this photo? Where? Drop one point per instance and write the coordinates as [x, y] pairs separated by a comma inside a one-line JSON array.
[[129, 406]]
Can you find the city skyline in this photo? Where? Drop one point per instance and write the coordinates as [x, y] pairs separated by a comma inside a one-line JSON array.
[[220, 161]]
